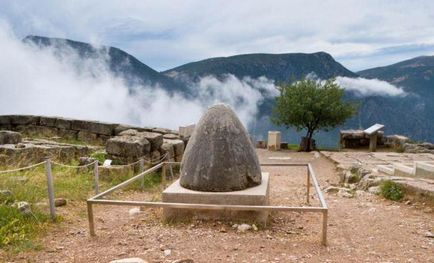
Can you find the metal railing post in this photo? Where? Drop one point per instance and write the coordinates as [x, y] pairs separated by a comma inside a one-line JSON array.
[[96, 176], [141, 169], [308, 185], [90, 218], [324, 227], [50, 189]]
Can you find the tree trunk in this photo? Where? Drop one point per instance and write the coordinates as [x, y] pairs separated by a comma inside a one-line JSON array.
[[306, 142]]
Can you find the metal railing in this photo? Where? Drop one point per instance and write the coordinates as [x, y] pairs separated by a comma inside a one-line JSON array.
[[310, 179]]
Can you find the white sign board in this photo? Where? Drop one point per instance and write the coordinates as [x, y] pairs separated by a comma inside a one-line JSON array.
[[374, 128], [107, 163]]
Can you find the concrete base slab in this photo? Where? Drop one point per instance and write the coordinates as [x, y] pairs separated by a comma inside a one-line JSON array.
[[387, 169], [403, 170], [258, 195], [425, 170]]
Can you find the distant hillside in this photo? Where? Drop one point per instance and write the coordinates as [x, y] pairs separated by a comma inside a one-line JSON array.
[[278, 67], [120, 62], [415, 75]]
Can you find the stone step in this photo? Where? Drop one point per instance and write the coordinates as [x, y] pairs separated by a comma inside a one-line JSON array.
[[406, 170], [387, 169], [424, 169]]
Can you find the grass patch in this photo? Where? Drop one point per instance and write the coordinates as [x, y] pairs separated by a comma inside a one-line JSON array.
[[294, 147], [391, 190], [17, 231]]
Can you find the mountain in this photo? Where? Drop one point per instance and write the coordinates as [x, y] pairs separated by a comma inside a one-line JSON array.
[[119, 62], [278, 67], [414, 75], [410, 115]]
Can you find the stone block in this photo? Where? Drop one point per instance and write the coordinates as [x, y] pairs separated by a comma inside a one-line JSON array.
[[47, 121], [156, 139], [274, 140], [5, 120], [403, 170], [81, 125], [102, 128], [257, 195], [128, 146], [87, 136], [178, 146], [10, 137], [24, 119], [168, 148], [63, 123], [425, 170]]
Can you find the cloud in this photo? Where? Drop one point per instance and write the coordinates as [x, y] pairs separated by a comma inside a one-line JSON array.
[[45, 82], [165, 34], [369, 87]]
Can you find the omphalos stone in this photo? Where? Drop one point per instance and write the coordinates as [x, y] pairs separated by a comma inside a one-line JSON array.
[[220, 156]]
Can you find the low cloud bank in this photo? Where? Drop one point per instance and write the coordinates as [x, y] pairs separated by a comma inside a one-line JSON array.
[[369, 87], [42, 82]]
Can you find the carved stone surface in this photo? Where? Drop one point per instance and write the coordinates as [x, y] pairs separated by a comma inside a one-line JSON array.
[[220, 156]]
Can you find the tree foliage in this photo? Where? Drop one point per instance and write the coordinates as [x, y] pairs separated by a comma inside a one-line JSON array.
[[311, 105]]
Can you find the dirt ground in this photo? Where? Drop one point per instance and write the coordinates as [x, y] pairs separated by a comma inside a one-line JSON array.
[[366, 228]]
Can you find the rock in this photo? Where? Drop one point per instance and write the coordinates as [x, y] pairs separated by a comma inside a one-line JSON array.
[[156, 139], [47, 121], [334, 189], [429, 234], [128, 146], [167, 252], [346, 193], [134, 211], [255, 228], [6, 196], [171, 136], [63, 123], [168, 148], [20, 146], [23, 207], [220, 156], [243, 228], [59, 202], [374, 190], [10, 137], [129, 260], [178, 148], [186, 260], [85, 160]]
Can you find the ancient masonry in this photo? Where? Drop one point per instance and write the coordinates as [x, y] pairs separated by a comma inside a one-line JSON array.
[[124, 143]]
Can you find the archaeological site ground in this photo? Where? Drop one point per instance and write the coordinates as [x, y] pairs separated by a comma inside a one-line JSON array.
[[380, 205]]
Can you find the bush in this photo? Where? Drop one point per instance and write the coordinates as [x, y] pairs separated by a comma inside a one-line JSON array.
[[392, 191]]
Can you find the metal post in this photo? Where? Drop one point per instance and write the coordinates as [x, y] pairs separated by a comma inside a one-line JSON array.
[[96, 176], [50, 189], [308, 186], [141, 169], [90, 218], [163, 174], [324, 227]]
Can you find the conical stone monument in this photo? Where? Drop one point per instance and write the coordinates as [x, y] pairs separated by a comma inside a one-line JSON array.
[[220, 156]]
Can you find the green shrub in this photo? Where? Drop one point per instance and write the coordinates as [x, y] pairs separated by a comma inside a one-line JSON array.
[[391, 190], [99, 156]]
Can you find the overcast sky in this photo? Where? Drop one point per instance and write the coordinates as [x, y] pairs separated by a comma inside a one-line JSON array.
[[165, 34]]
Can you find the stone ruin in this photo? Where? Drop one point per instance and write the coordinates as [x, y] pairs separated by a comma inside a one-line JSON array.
[[124, 143], [220, 166]]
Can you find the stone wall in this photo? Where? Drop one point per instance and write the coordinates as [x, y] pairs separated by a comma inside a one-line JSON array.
[[121, 140]]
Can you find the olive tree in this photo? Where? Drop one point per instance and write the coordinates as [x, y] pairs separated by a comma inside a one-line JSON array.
[[311, 105]]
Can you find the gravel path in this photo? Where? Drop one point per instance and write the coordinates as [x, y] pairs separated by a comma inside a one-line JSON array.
[[366, 228]]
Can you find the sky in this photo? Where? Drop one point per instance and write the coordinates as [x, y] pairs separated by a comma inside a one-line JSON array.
[[166, 34]]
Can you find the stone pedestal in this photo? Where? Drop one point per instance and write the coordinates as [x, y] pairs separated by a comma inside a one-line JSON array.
[[274, 140], [257, 195]]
